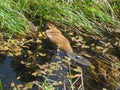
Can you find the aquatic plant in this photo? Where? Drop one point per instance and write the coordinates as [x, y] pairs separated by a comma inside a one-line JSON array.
[[1, 87]]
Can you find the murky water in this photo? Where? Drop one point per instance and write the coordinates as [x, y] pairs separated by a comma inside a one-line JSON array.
[[60, 74], [7, 74]]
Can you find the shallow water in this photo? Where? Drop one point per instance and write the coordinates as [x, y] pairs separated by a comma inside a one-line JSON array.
[[60, 74], [10, 71], [7, 74]]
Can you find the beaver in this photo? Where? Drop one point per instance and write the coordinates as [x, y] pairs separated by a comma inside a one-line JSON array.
[[62, 43], [58, 39]]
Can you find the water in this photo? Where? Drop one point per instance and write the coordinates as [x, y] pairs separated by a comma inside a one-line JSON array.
[[7, 74], [60, 74]]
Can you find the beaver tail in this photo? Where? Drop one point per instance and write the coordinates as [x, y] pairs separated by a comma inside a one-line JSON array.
[[79, 59]]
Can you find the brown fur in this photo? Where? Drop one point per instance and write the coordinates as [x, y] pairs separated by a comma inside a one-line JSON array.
[[58, 39]]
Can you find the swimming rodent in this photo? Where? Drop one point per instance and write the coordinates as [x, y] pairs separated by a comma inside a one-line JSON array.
[[63, 43]]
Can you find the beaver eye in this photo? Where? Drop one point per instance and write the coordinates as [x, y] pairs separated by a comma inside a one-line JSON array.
[[47, 27]]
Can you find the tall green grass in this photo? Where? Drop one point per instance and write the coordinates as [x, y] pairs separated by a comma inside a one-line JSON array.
[[81, 16], [78, 14], [11, 19]]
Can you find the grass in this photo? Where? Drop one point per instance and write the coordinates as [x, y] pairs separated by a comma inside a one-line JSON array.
[[11, 20], [82, 16], [1, 87]]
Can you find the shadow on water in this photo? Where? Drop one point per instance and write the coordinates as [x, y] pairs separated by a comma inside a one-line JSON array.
[[7, 74]]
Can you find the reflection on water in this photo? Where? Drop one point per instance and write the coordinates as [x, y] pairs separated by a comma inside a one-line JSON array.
[[7, 75]]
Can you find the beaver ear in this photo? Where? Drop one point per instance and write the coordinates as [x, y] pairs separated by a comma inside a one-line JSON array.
[[47, 27]]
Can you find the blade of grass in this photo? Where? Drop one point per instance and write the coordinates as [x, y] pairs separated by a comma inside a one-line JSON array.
[[1, 87]]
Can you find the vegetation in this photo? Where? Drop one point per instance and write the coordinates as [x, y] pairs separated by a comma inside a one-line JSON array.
[[1, 87], [79, 15], [92, 26]]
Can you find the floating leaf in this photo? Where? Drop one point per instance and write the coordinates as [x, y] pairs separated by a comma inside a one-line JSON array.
[[6, 48], [29, 52], [38, 41], [87, 55], [42, 54], [18, 77], [19, 86], [22, 62], [105, 50], [99, 47], [29, 85], [78, 69], [10, 54], [85, 46], [73, 76], [37, 73], [57, 83], [12, 84]]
